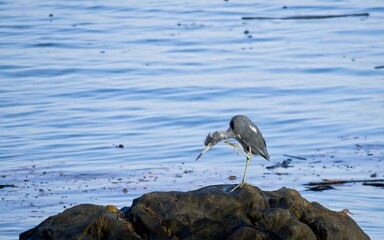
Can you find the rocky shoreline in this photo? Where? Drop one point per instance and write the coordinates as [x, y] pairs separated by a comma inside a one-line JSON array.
[[212, 212]]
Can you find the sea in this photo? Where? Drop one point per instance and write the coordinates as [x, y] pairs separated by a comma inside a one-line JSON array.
[[104, 101]]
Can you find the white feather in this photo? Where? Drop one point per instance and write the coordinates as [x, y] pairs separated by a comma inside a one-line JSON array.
[[253, 128]]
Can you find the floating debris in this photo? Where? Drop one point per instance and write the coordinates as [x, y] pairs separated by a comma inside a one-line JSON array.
[[374, 184], [373, 175], [284, 164], [320, 188], [370, 182], [297, 157], [6, 185], [282, 174], [232, 177], [308, 17]]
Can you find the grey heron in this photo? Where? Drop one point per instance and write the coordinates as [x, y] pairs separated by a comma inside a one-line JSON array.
[[246, 133]]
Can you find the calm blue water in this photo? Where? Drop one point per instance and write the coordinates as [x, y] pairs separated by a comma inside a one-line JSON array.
[[79, 78]]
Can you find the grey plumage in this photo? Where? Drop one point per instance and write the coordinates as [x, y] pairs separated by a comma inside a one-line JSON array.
[[241, 126], [246, 133]]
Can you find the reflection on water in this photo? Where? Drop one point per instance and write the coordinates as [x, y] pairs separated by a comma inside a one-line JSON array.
[[79, 79]]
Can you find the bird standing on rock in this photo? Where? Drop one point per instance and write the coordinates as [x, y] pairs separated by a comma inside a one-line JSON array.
[[246, 133]]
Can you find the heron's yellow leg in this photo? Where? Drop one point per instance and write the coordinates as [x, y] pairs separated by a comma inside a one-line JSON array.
[[245, 171], [237, 147]]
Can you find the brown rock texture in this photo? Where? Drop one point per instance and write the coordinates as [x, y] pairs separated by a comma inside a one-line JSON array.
[[211, 212]]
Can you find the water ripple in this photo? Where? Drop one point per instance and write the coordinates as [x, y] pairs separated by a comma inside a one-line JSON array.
[[93, 93]]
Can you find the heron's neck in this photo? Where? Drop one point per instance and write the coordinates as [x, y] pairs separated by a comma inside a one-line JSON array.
[[222, 135]]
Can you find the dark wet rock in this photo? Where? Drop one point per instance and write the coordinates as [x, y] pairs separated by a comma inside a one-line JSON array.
[[85, 221], [207, 213]]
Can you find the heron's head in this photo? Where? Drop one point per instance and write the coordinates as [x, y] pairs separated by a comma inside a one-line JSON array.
[[211, 140]]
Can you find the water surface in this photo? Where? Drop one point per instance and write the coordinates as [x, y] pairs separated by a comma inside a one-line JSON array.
[[80, 78]]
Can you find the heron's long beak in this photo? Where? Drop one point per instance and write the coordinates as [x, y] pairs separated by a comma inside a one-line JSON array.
[[204, 151]]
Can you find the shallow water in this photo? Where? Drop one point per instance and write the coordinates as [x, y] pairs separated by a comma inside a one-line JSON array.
[[79, 79]]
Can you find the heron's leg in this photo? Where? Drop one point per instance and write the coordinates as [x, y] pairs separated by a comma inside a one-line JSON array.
[[244, 176], [245, 171], [237, 147], [234, 145]]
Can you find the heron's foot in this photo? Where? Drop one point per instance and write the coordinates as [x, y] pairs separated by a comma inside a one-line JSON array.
[[234, 145], [238, 186], [237, 147]]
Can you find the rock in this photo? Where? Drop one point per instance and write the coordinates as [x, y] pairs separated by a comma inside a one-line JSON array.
[[208, 213], [85, 221]]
